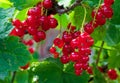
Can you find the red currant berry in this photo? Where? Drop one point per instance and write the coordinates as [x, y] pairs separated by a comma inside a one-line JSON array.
[[76, 34], [64, 59], [17, 23], [56, 55], [58, 42], [78, 66], [88, 28], [112, 74], [67, 37], [31, 50], [109, 2], [19, 32], [74, 56], [107, 11], [75, 43], [47, 4], [78, 72], [41, 35], [52, 50], [67, 49], [53, 23], [85, 66], [30, 42], [89, 70], [25, 67], [32, 30]]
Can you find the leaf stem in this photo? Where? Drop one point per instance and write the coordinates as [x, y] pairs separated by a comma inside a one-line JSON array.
[[13, 77], [99, 53], [103, 48], [85, 14]]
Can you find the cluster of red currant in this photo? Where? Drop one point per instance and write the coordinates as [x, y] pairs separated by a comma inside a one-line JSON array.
[[36, 23], [99, 16], [75, 47]]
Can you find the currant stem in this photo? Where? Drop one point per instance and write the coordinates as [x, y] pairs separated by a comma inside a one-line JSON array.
[[96, 11], [99, 53], [17, 12], [103, 48], [60, 24], [13, 77], [85, 14]]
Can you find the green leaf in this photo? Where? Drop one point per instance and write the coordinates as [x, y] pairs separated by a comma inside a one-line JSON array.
[[99, 34], [114, 57], [55, 61], [21, 77], [115, 19], [22, 15], [72, 78], [13, 54], [112, 35], [91, 3], [5, 25], [63, 20], [5, 4], [3, 75], [98, 76], [49, 72], [22, 4], [77, 16]]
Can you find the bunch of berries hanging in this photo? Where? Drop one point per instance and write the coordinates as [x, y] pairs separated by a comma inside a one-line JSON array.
[[99, 16], [75, 45], [37, 22]]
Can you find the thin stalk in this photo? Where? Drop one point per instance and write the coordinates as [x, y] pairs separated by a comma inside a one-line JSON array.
[[85, 14], [13, 77], [99, 53]]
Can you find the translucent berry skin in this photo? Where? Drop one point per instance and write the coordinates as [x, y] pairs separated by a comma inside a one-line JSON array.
[[56, 55], [88, 28], [109, 2], [58, 42], [78, 72], [78, 66], [25, 67], [89, 70], [64, 59], [17, 23], [112, 74], [53, 23], [52, 50], [74, 56], [30, 42], [99, 19], [19, 32], [47, 4], [107, 11], [75, 43], [67, 37], [31, 50], [67, 49]]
